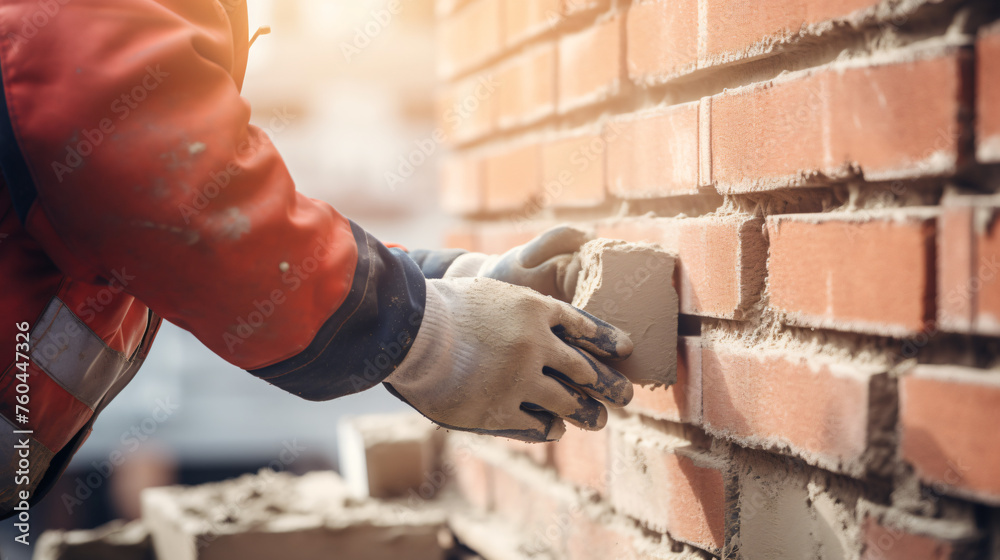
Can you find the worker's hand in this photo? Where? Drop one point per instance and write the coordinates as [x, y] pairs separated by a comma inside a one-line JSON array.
[[504, 360], [549, 264]]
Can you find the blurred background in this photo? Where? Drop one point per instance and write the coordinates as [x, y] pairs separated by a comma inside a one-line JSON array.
[[344, 95]]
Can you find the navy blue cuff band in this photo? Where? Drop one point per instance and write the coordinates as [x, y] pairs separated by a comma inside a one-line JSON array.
[[367, 338]]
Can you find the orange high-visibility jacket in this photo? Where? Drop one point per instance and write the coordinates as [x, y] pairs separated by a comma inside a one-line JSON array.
[[134, 189]]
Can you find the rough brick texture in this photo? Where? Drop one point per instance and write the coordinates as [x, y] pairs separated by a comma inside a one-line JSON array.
[[590, 65], [871, 272], [875, 121], [969, 265], [828, 176], [944, 412], [988, 94], [654, 154]]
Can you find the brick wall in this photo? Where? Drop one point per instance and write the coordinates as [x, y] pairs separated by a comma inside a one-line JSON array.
[[827, 173]]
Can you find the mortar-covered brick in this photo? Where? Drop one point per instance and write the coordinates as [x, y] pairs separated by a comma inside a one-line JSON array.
[[467, 108], [721, 260], [513, 178], [573, 171], [590, 65], [746, 29], [988, 94], [524, 19], [581, 458], [679, 492], [946, 416], [969, 265], [655, 153], [469, 37], [885, 543], [871, 271], [770, 399], [782, 510], [461, 185], [662, 39], [682, 401], [878, 121], [527, 87]]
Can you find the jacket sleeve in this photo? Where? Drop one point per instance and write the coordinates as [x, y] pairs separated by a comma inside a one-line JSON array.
[[434, 264], [129, 154]]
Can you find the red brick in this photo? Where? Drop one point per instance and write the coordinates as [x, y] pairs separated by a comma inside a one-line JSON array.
[[527, 90], [680, 402], [469, 37], [461, 185], [969, 265], [988, 94], [769, 399], [467, 110], [720, 260], [870, 272], [581, 457], [474, 478], [654, 154], [880, 121], [590, 65], [662, 39], [573, 171], [884, 543], [513, 178], [524, 19], [738, 26], [947, 417], [667, 492]]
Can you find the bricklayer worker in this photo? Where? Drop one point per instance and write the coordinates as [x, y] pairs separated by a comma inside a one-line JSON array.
[[135, 190]]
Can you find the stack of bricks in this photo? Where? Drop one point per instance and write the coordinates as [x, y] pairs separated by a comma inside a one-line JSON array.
[[827, 174]]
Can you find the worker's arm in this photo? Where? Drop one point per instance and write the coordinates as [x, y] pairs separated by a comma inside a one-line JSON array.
[[130, 154]]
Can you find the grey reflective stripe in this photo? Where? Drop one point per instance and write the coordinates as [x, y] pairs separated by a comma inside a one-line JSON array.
[[38, 456], [74, 356]]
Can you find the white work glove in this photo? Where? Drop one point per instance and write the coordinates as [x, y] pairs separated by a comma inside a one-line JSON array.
[[504, 360], [549, 264]]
